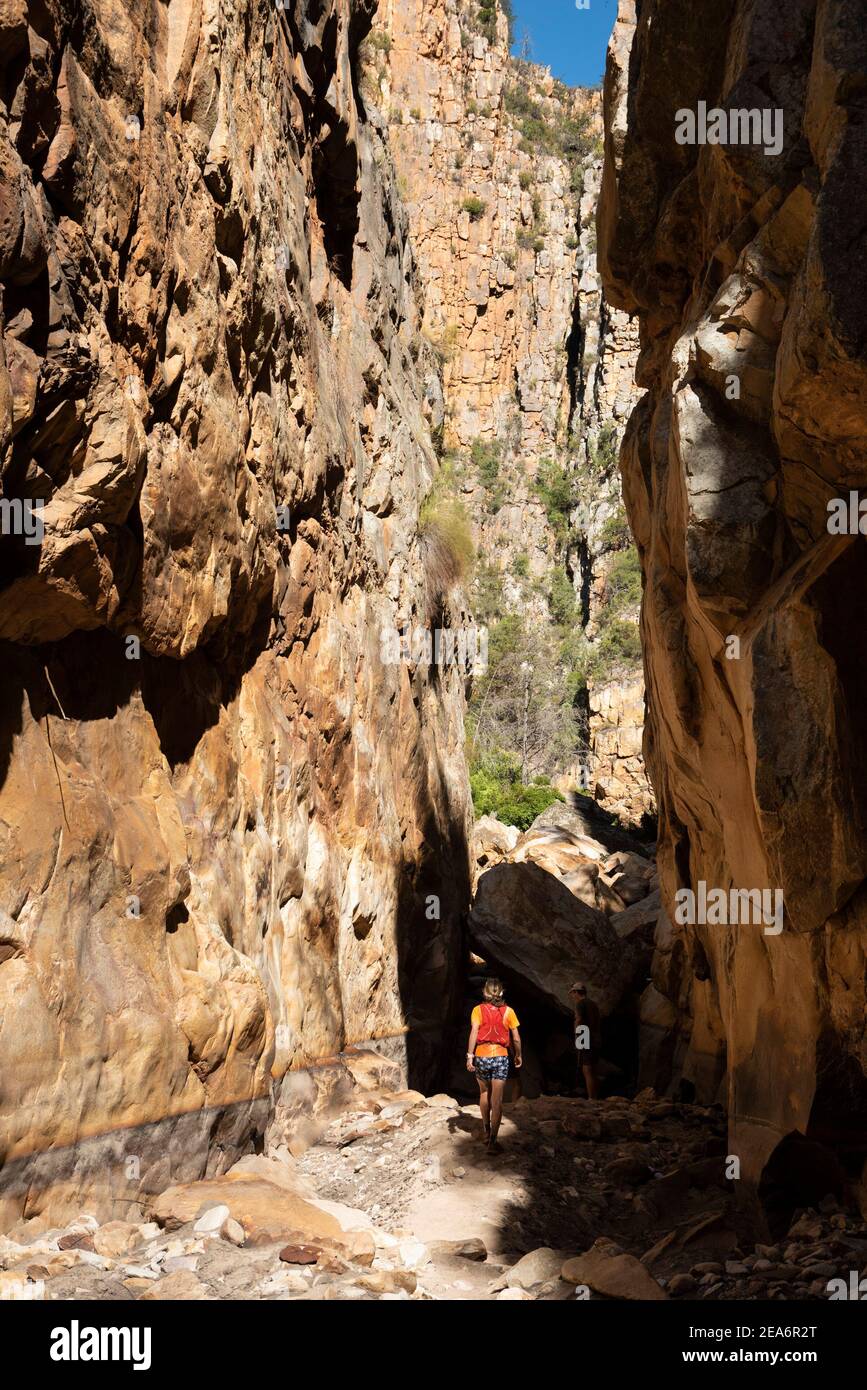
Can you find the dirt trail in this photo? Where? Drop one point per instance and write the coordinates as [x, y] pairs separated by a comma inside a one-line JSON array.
[[625, 1176], [399, 1199]]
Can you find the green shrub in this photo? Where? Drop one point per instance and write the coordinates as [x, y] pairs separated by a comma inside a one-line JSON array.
[[603, 451], [521, 565], [554, 486], [495, 782], [623, 583], [619, 647], [475, 207], [487, 592], [486, 455], [615, 533], [525, 179], [561, 598], [447, 541]]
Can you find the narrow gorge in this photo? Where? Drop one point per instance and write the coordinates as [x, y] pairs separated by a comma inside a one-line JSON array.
[[416, 567]]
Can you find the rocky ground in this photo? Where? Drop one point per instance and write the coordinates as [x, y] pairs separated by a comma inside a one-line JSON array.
[[399, 1199]]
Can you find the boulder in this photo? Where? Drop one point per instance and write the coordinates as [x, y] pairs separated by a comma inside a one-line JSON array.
[[535, 1268], [529, 925], [265, 1211], [629, 875], [641, 917], [117, 1238], [614, 1276], [492, 841]]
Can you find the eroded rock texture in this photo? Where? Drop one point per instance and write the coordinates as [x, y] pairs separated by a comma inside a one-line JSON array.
[[744, 265], [238, 842]]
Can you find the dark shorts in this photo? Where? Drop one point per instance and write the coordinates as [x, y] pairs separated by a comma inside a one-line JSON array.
[[492, 1068]]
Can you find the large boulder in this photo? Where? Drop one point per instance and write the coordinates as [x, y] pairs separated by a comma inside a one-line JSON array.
[[267, 1211], [536, 932], [581, 815], [492, 842]]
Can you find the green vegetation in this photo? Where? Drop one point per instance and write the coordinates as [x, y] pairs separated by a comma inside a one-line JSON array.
[[568, 136], [495, 782], [444, 528], [525, 179], [475, 207], [623, 584], [555, 486], [521, 565], [561, 598], [603, 452], [617, 649], [615, 533], [521, 710], [486, 456]]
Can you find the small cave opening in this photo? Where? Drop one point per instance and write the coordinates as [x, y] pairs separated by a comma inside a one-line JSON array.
[[800, 1173], [176, 917], [828, 1159]]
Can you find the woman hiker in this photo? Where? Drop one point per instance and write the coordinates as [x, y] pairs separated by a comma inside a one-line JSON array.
[[488, 1056]]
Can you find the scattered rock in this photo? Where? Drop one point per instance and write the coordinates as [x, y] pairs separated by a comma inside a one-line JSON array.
[[470, 1249], [182, 1286], [618, 1276]]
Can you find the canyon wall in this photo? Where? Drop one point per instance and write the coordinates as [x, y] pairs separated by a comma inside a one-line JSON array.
[[501, 189], [746, 268], [232, 839]]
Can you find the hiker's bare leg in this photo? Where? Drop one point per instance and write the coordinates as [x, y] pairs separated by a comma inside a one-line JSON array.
[[497, 1089], [485, 1103], [591, 1080]]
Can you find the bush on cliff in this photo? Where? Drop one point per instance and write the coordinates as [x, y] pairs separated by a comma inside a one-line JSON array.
[[444, 527]]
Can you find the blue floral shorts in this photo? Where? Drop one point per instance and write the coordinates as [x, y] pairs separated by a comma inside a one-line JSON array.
[[492, 1068]]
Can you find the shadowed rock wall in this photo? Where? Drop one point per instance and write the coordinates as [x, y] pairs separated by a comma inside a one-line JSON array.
[[222, 818], [747, 272]]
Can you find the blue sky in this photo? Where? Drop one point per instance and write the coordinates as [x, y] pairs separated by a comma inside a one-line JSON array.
[[570, 41]]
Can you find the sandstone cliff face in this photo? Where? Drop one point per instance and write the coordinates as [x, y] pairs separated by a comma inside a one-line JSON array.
[[747, 267], [231, 839], [532, 356]]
